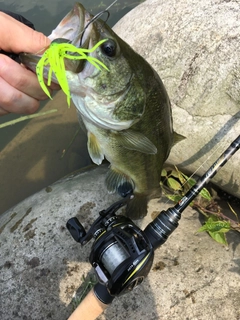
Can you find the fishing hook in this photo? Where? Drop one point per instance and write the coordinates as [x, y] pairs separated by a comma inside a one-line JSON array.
[[96, 17]]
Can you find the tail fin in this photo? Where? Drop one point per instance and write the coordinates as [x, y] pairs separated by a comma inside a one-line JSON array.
[[137, 207]]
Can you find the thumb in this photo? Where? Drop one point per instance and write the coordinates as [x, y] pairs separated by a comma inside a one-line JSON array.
[[17, 37], [34, 42]]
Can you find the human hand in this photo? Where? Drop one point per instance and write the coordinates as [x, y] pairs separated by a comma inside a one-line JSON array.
[[20, 91]]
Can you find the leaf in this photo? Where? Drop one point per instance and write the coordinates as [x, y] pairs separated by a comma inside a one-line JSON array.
[[216, 229], [220, 237], [187, 179], [174, 184], [164, 173], [205, 194], [214, 225], [190, 181], [180, 176], [174, 197], [175, 174], [203, 228]]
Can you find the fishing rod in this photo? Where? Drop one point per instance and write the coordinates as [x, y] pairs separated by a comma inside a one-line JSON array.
[[122, 254]]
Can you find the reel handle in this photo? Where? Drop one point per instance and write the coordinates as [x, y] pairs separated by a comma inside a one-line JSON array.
[[76, 229]]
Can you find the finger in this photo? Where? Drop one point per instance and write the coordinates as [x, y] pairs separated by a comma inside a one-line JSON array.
[[15, 101], [19, 37], [54, 86], [21, 78], [3, 112]]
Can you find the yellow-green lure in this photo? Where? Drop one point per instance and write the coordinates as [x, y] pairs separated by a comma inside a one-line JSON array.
[[54, 57]]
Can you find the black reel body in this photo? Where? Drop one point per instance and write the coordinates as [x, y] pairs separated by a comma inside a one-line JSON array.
[[121, 254]]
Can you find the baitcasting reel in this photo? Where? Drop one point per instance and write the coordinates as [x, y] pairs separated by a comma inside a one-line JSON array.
[[121, 254]]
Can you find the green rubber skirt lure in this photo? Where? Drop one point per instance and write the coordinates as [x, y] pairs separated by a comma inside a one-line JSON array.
[[54, 58]]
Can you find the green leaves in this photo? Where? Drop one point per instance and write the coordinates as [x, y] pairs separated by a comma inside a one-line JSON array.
[[175, 184], [191, 182], [179, 183], [205, 194], [216, 228], [88, 283]]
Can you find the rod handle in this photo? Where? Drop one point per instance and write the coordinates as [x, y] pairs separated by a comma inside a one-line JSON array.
[[89, 309]]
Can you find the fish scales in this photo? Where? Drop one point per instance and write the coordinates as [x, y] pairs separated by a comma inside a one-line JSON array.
[[126, 110]]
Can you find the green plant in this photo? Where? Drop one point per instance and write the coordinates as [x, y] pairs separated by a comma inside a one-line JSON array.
[[39, 114], [88, 283], [175, 184]]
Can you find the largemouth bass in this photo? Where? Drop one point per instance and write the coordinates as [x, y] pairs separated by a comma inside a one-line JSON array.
[[125, 110]]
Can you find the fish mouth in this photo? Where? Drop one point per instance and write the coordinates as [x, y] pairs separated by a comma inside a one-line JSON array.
[[74, 28]]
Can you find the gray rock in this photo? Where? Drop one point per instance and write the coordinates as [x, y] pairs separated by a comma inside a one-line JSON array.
[[41, 266], [195, 48], [38, 255]]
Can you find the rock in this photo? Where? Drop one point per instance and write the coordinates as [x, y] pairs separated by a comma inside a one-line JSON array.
[[42, 267], [195, 48]]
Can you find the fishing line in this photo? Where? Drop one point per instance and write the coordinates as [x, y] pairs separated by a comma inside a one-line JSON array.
[[209, 157], [96, 17], [204, 162]]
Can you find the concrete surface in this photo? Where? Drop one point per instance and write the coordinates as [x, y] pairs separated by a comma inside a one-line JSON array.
[[195, 47], [41, 266]]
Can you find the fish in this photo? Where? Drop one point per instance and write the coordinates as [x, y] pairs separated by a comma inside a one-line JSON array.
[[124, 109]]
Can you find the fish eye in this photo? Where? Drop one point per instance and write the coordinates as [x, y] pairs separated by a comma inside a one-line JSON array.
[[109, 48]]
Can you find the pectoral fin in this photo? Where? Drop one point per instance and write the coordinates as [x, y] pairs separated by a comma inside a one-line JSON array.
[[116, 181], [94, 149], [137, 141]]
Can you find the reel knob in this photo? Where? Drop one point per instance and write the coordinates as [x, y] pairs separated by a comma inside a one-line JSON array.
[[76, 229]]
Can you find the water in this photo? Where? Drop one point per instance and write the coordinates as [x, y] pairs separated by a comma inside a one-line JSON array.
[[30, 152]]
